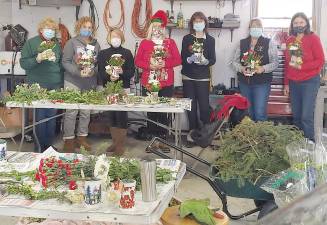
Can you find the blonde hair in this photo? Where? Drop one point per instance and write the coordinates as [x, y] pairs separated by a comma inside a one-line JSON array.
[[48, 22], [149, 33], [83, 20], [120, 34], [255, 20]]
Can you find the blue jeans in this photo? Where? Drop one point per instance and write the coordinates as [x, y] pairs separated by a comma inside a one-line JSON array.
[[257, 95], [45, 132], [303, 101]]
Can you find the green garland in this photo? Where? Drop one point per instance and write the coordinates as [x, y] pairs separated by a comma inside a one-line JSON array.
[[18, 176], [253, 150], [130, 169], [29, 193]]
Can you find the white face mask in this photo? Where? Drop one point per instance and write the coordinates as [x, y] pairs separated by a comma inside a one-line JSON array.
[[115, 42]]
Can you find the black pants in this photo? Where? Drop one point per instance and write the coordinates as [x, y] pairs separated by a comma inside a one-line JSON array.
[[198, 91], [162, 118], [117, 119]]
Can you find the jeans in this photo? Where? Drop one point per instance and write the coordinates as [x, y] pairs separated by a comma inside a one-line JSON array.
[[45, 132], [303, 101], [198, 91], [257, 95], [71, 116]]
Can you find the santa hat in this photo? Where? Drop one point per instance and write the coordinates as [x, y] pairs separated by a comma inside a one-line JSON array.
[[161, 17]]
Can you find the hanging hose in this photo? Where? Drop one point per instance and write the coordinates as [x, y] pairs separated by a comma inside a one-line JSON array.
[[140, 30], [93, 13], [65, 36], [107, 16]]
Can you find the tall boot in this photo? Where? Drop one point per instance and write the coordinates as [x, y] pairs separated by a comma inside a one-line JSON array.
[[120, 144], [81, 141], [113, 133], [69, 145]]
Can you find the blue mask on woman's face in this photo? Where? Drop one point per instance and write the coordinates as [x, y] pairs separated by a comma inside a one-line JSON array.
[[256, 32], [85, 32], [199, 27], [48, 33]]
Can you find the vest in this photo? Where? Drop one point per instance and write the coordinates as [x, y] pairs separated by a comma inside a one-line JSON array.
[[261, 48]]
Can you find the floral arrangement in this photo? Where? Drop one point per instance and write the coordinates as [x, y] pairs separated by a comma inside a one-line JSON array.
[[153, 87], [159, 52], [86, 59], [197, 47], [114, 63], [46, 48], [53, 172], [46, 45], [295, 51], [116, 60], [251, 59]]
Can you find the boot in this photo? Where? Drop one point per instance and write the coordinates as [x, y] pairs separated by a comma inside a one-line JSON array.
[[81, 141], [69, 145], [120, 137], [113, 133]]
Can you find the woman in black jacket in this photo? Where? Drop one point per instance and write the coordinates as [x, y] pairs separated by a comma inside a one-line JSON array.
[[118, 120], [198, 54]]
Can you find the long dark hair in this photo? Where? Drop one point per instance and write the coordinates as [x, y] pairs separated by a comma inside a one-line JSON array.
[[198, 15], [303, 16]]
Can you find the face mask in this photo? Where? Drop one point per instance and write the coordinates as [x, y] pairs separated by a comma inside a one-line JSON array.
[[115, 42], [199, 27], [48, 33], [299, 30], [85, 33], [256, 32]]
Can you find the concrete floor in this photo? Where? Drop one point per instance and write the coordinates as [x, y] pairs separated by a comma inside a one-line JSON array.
[[190, 187]]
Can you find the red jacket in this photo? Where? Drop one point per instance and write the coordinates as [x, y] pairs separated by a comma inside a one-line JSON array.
[[142, 60], [313, 59]]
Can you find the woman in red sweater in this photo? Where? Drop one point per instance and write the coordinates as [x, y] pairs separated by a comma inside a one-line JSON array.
[[304, 61], [157, 56]]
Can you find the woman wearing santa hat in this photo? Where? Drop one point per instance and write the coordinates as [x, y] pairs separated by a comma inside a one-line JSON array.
[[157, 56], [198, 54]]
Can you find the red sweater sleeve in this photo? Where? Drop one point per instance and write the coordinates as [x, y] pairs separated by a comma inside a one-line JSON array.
[[317, 53], [175, 58], [142, 60]]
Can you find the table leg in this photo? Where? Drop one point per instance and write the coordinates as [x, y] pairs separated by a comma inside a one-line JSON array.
[[23, 130], [319, 112], [178, 136], [37, 143]]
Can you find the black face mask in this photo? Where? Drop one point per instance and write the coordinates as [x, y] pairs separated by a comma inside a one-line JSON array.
[[299, 30]]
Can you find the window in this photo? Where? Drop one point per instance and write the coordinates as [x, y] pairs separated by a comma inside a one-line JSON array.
[[278, 13]]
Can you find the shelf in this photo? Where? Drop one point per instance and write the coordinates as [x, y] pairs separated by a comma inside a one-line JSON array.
[[172, 2], [171, 27]]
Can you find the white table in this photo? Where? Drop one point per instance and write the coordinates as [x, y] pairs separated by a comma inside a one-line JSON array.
[[176, 110], [144, 213]]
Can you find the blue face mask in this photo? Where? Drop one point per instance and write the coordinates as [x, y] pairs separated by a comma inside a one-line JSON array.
[[256, 32], [85, 33], [199, 27], [48, 33]]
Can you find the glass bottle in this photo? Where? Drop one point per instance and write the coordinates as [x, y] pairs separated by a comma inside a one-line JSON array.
[[180, 17]]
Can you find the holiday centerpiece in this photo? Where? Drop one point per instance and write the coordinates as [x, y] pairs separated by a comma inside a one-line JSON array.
[[158, 56], [46, 50], [251, 60], [86, 59], [295, 51], [197, 49], [114, 64]]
